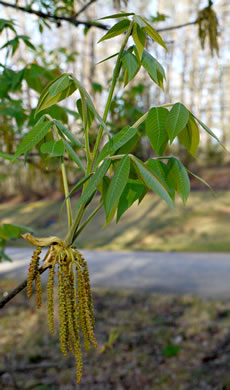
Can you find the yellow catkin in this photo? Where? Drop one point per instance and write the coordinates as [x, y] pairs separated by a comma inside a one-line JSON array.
[[50, 298], [38, 287], [208, 27], [89, 292], [88, 327], [81, 302], [63, 321], [33, 269]]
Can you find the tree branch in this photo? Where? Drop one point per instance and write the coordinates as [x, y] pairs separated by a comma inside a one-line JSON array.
[[84, 8], [178, 26], [70, 19], [17, 290], [75, 22]]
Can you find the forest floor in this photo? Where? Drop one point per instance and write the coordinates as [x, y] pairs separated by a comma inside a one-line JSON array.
[[202, 225], [149, 342]]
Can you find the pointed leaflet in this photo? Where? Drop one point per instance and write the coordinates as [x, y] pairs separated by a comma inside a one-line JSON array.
[[133, 190], [6, 156], [117, 16], [79, 184], [210, 132], [73, 155], [93, 182], [153, 33], [201, 180], [177, 120], [54, 148], [34, 136], [178, 178], [152, 181], [139, 38], [131, 65], [120, 139], [63, 130], [154, 68], [160, 170], [116, 30], [107, 58], [90, 114], [190, 137], [117, 184], [59, 85], [48, 98], [155, 127], [89, 103]]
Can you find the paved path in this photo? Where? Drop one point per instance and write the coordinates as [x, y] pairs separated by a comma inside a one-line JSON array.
[[202, 274]]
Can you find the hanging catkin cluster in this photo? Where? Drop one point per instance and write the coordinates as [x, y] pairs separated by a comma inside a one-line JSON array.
[[76, 315], [208, 27]]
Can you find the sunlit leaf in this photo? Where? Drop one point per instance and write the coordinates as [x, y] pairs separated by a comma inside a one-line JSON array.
[[116, 142], [177, 120], [178, 178], [151, 181], [139, 38], [190, 137], [117, 184], [116, 30], [155, 127], [34, 136]]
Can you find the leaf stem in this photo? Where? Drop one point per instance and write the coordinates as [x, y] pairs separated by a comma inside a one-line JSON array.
[[65, 184], [91, 161], [116, 72], [78, 232]]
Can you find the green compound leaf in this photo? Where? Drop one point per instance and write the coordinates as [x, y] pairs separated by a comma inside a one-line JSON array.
[[160, 170], [201, 180], [73, 155], [132, 192], [155, 127], [7, 156], [55, 92], [139, 38], [154, 68], [63, 130], [190, 137], [210, 132], [59, 85], [117, 184], [116, 30], [131, 65], [54, 148], [31, 139], [151, 181], [93, 182], [152, 33], [107, 58], [89, 102], [178, 178], [177, 120], [117, 16], [116, 142]]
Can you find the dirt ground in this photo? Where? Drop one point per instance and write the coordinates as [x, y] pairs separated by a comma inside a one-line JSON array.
[[146, 342]]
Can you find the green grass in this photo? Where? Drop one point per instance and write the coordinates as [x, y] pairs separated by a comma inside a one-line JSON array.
[[202, 225]]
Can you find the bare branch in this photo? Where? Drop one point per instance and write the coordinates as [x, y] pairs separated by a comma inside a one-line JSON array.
[[56, 18], [178, 26], [75, 22], [17, 290], [84, 8]]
